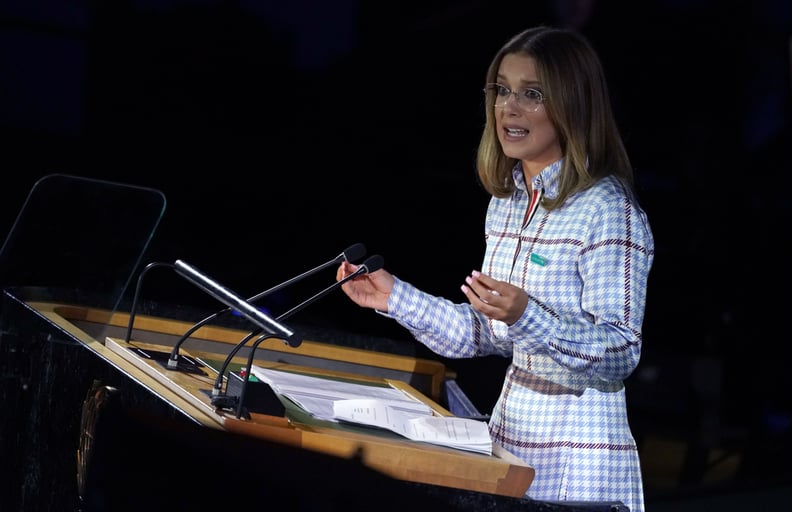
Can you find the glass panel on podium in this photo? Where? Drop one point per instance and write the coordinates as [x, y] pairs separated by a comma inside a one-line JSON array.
[[79, 241]]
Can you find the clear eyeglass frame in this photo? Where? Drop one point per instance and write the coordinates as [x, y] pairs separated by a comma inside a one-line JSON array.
[[528, 99]]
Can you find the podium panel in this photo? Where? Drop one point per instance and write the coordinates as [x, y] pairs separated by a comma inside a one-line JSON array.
[[391, 455], [166, 438]]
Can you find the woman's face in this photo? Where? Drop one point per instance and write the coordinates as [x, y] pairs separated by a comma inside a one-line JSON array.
[[524, 135]]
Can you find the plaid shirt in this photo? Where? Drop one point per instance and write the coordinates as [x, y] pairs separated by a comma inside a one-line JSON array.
[[585, 267]]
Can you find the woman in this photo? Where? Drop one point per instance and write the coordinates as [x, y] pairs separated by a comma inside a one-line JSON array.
[[562, 288]]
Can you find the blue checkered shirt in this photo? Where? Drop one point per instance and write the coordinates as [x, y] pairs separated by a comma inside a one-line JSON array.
[[585, 267]]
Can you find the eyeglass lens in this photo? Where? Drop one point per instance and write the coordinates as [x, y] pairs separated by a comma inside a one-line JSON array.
[[528, 99]]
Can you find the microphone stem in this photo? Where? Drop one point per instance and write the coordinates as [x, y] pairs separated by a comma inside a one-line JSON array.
[[296, 278], [352, 252], [173, 360], [133, 307], [218, 386], [248, 369], [321, 294]]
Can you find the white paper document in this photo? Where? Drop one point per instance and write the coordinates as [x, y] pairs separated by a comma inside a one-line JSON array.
[[316, 395], [460, 433], [378, 406]]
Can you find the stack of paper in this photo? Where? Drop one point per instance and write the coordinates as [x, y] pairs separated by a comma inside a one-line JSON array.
[[383, 407], [317, 395], [460, 433]]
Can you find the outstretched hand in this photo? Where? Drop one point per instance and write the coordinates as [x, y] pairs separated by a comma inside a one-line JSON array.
[[370, 290], [498, 300]]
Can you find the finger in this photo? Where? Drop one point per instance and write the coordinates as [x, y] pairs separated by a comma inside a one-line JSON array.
[[469, 293], [483, 279], [473, 286], [472, 295], [486, 283], [349, 268]]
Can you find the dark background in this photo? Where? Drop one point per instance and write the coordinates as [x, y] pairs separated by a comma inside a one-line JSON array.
[[283, 132]]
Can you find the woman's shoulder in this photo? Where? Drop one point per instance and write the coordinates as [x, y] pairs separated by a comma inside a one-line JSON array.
[[608, 193], [608, 188], [611, 198]]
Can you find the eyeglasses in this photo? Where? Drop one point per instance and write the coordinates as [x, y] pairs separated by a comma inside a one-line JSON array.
[[527, 99]]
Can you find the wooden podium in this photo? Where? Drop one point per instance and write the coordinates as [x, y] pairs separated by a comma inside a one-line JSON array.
[[396, 457], [66, 367]]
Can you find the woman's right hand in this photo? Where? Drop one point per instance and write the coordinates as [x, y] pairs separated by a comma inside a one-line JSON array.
[[369, 290]]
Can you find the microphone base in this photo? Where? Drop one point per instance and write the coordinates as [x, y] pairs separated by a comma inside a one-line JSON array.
[[259, 396], [185, 364]]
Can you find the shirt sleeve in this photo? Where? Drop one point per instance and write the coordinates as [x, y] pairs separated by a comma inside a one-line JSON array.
[[604, 339], [448, 329]]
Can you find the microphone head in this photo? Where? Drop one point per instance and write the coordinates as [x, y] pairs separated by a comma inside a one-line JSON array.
[[373, 263], [354, 253]]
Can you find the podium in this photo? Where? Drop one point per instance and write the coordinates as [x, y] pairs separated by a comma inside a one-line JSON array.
[[391, 455], [70, 361], [89, 424]]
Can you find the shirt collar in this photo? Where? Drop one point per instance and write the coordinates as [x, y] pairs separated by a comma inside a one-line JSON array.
[[547, 179]]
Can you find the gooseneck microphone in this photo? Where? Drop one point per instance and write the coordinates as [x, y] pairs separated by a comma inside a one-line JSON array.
[[234, 301], [353, 253], [372, 264]]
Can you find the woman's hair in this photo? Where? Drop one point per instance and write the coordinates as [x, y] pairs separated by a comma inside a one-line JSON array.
[[578, 105]]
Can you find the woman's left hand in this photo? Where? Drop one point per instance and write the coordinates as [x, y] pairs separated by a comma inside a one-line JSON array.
[[497, 300]]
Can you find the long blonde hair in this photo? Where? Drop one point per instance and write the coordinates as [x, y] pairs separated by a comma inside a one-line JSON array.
[[578, 105]]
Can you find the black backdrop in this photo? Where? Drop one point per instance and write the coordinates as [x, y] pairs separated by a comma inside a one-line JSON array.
[[281, 133]]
